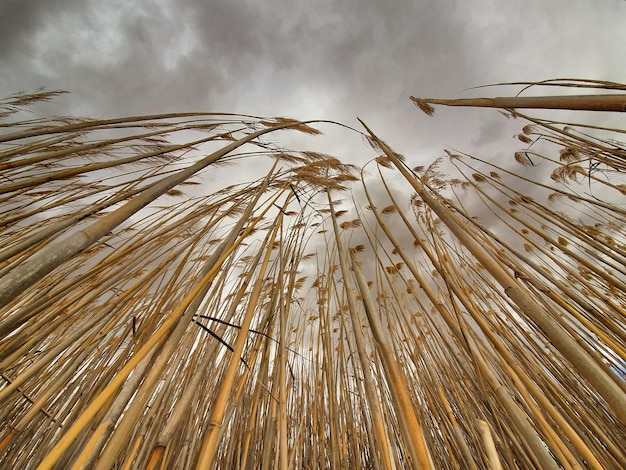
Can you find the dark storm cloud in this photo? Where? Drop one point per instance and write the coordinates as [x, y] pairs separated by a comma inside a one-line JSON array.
[[326, 58], [130, 57], [359, 55], [19, 20]]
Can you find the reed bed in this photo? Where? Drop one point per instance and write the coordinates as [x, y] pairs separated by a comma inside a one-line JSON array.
[[321, 315]]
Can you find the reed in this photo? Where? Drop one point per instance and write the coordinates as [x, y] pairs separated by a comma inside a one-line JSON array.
[[160, 310]]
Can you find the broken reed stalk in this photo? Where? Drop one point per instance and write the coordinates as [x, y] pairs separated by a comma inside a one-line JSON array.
[[492, 453], [467, 454], [615, 102]]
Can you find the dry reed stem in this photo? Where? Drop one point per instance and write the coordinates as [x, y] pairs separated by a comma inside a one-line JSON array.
[[167, 343]]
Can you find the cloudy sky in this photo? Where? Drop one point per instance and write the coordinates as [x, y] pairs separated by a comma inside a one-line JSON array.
[[315, 59], [326, 59]]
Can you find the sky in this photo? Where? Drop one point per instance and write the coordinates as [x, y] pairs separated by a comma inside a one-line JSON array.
[[314, 59], [320, 59]]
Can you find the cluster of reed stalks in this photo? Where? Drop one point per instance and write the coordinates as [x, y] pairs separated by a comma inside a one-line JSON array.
[[319, 316]]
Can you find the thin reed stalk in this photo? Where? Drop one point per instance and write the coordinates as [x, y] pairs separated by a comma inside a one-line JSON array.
[[158, 310]]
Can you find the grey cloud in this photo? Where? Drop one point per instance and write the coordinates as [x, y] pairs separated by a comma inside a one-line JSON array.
[[19, 20], [340, 59]]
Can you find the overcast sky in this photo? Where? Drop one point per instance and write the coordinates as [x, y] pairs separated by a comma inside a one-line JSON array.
[[330, 58], [313, 59]]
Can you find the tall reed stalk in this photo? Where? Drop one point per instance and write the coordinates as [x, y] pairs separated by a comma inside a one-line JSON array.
[[160, 308]]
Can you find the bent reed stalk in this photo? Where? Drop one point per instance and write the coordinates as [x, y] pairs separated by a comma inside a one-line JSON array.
[[159, 310]]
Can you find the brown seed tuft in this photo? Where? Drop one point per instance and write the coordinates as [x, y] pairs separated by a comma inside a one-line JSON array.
[[568, 155], [384, 161], [523, 158], [423, 105]]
